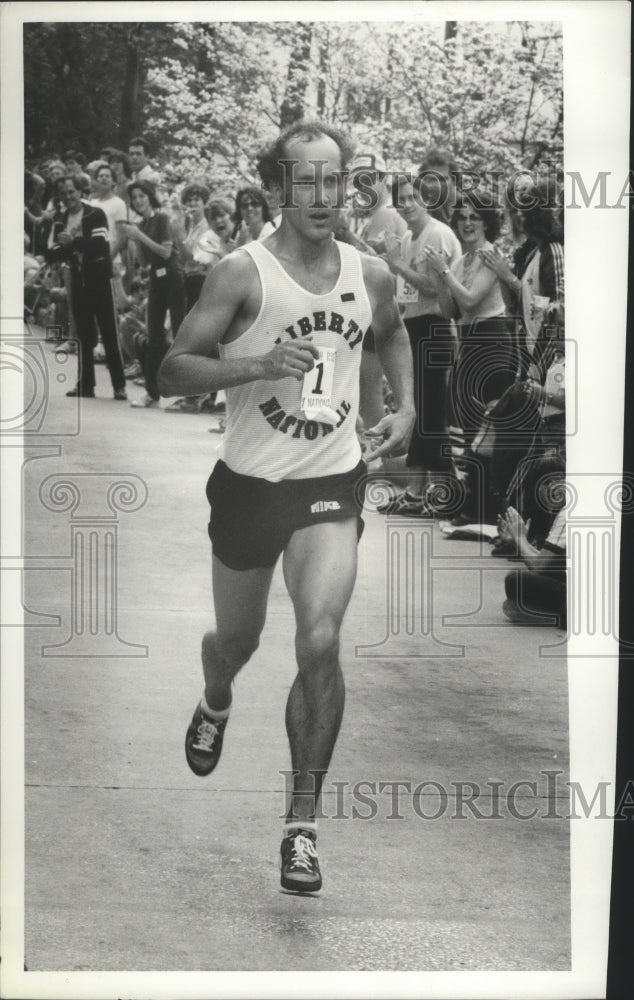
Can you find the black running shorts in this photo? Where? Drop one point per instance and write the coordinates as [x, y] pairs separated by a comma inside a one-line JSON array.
[[252, 520]]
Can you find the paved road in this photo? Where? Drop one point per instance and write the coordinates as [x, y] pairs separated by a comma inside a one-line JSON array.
[[134, 863]]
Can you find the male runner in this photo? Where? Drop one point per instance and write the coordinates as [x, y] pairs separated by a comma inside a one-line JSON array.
[[279, 324]]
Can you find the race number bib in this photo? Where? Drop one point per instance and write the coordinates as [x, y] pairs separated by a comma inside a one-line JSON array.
[[316, 399], [405, 293], [539, 304]]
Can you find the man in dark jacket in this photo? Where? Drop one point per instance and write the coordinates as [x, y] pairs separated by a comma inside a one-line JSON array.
[[81, 240]]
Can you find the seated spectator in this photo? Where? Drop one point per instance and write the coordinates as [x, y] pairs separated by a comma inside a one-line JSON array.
[[547, 452], [536, 595], [132, 325]]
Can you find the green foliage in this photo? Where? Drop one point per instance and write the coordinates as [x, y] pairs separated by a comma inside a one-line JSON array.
[[209, 95]]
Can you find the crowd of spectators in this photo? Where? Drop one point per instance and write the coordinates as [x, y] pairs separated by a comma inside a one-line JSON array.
[[116, 253]]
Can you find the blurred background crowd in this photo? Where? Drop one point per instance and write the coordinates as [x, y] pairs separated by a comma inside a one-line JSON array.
[[471, 229]]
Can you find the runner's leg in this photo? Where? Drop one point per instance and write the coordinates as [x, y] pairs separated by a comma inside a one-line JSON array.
[[240, 599], [320, 565]]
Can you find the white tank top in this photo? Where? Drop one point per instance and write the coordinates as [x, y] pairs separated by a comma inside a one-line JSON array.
[[269, 434]]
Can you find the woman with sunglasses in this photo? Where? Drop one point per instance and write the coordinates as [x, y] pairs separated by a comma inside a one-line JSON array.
[[470, 292], [252, 216]]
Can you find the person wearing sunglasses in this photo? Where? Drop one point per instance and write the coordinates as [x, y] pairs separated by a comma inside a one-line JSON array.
[[486, 365], [470, 293], [252, 216]]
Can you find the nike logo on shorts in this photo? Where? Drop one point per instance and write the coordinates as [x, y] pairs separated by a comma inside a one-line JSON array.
[[324, 505]]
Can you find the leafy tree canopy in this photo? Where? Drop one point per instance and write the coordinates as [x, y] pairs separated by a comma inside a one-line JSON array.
[[209, 95]]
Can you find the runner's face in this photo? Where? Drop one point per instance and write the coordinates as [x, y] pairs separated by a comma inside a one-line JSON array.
[[317, 187]]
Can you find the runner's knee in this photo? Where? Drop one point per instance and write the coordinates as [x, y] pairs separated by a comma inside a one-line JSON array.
[[236, 649], [232, 649], [318, 644]]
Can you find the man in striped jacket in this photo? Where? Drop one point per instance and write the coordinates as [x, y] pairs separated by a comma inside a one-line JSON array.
[[81, 241]]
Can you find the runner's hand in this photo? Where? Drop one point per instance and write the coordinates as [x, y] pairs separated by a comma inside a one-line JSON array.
[[394, 430], [290, 359]]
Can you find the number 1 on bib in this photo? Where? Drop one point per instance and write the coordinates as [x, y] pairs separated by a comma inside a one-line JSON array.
[[317, 385]]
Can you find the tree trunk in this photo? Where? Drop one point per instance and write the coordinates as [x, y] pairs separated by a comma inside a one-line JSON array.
[[130, 123], [321, 81], [292, 109]]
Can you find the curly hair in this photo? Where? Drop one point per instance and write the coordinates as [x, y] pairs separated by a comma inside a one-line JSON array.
[[487, 210], [541, 212], [270, 165], [256, 195]]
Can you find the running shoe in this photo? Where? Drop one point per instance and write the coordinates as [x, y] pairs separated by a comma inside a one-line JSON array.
[[298, 862], [144, 402], [203, 742], [84, 393], [68, 346], [188, 404], [406, 505], [208, 404]]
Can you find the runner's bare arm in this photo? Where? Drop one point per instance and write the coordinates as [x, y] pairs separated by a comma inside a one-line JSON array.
[[192, 365], [395, 354]]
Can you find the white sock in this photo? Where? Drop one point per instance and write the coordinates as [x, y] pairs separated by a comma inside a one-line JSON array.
[[292, 825], [214, 713]]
